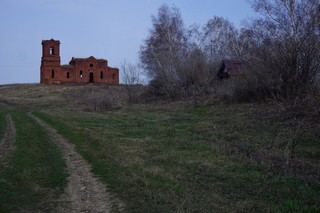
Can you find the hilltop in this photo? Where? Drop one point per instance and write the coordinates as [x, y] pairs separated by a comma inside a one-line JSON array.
[[154, 156]]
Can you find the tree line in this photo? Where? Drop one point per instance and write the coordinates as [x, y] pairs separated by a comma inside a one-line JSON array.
[[280, 46]]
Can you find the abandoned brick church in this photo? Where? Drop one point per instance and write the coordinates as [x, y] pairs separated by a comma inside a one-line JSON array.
[[78, 71]]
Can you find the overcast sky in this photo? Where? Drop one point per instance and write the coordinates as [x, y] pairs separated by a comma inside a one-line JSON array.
[[109, 29]]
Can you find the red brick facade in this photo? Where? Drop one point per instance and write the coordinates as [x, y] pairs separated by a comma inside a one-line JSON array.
[[79, 70]]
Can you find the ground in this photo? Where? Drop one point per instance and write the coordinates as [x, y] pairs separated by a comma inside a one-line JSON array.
[[84, 192], [73, 150]]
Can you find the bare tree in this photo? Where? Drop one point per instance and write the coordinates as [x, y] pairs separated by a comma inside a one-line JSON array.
[[131, 76], [163, 50], [217, 36], [285, 44], [239, 44], [163, 47], [130, 73]]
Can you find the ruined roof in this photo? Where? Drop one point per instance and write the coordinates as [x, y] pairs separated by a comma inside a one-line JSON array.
[[234, 66], [231, 67], [73, 60], [67, 66], [84, 59], [51, 40]]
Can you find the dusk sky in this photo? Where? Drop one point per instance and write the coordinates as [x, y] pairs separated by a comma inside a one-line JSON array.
[[109, 29]]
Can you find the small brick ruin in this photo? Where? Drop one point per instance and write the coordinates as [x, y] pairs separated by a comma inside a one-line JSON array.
[[78, 71]]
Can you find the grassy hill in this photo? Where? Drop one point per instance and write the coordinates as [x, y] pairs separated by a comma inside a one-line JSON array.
[[162, 157]]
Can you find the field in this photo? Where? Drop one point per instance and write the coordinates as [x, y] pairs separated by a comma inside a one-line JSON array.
[[158, 157]]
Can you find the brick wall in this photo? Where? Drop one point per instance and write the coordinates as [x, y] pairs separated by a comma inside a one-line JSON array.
[[79, 70]]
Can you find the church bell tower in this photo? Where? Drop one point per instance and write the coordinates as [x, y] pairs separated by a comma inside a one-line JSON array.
[[50, 61]]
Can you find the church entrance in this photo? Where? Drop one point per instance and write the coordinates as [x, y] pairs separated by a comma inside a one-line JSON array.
[[91, 77]]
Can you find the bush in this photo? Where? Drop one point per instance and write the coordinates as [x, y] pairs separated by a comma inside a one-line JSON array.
[[98, 97], [102, 101]]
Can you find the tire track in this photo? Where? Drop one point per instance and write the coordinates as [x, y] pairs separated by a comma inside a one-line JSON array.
[[84, 192], [7, 143]]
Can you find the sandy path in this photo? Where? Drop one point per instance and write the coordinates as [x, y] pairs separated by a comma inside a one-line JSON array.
[[84, 192], [7, 143]]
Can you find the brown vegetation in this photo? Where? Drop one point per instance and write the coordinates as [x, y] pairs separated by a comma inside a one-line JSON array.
[[280, 47]]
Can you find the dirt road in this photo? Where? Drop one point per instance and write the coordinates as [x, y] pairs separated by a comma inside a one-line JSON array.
[[7, 143], [84, 192]]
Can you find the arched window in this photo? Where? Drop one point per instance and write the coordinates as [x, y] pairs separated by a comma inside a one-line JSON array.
[[101, 74], [52, 73], [68, 75], [113, 75], [80, 73], [51, 50]]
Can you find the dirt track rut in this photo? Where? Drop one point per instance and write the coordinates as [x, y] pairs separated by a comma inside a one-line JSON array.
[[7, 143], [84, 192]]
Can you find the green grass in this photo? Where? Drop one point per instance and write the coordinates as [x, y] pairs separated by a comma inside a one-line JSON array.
[[193, 160], [2, 124], [35, 174]]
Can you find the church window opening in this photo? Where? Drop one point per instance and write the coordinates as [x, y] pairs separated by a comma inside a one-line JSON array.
[[80, 73], [91, 65], [101, 74], [91, 77], [51, 51], [52, 73], [113, 75], [68, 75]]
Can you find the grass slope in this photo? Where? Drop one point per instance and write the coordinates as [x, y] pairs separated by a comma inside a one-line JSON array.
[[36, 172], [165, 158], [192, 160]]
